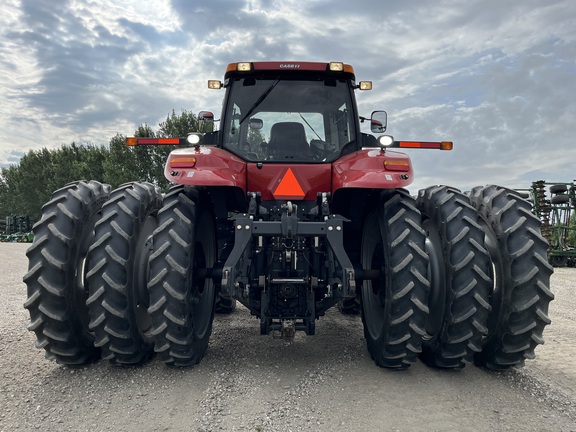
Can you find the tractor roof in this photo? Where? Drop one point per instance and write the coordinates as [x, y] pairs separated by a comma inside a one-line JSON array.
[[236, 69]]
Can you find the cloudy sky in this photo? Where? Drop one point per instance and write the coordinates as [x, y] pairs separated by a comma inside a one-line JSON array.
[[497, 77]]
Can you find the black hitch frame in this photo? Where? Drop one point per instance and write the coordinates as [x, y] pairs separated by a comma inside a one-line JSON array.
[[238, 277]]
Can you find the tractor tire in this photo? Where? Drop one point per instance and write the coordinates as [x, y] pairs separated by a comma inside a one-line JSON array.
[[558, 261], [558, 189], [460, 269], [182, 298], [560, 199], [56, 278], [521, 291], [394, 307], [224, 304], [117, 274], [350, 306]]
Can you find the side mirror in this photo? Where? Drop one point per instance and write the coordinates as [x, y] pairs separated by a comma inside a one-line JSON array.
[[378, 122], [205, 122]]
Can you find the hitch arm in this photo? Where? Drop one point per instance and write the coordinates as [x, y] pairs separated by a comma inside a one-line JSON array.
[[245, 228]]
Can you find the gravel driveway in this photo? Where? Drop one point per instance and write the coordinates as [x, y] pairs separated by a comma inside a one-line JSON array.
[[249, 382]]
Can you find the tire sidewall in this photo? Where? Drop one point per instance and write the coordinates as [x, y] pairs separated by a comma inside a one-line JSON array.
[[375, 307]]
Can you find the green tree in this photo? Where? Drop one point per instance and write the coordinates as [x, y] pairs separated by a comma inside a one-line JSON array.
[[571, 238], [121, 165], [74, 162], [8, 186], [178, 126], [255, 140], [25, 187], [141, 163], [32, 186]]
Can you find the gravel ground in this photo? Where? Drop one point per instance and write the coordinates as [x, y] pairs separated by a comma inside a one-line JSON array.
[[249, 382]]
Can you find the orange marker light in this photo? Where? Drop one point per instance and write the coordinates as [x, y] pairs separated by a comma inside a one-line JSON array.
[[419, 144], [444, 145], [182, 162], [134, 141], [397, 165], [160, 141]]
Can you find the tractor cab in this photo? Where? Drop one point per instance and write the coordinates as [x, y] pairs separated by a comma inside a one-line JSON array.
[[289, 112]]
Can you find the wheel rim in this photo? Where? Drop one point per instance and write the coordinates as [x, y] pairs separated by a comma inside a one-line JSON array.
[[558, 261], [437, 295], [491, 243], [80, 290], [202, 286], [373, 292], [141, 300]]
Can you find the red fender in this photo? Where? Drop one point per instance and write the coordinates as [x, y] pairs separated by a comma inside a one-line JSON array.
[[213, 166], [205, 166], [372, 169]]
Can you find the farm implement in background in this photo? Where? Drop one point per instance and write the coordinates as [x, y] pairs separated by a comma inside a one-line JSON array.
[[554, 203], [16, 229]]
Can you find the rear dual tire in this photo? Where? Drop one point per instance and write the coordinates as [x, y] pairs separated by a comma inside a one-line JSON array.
[[394, 306], [460, 270], [521, 291], [118, 274], [182, 297], [55, 281]]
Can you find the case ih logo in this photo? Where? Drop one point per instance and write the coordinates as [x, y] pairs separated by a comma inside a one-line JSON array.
[[289, 66]]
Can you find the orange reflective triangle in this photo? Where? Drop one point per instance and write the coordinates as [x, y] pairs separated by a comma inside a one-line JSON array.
[[289, 187]]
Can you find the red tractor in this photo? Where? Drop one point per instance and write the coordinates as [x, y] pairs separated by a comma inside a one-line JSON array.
[[289, 209]]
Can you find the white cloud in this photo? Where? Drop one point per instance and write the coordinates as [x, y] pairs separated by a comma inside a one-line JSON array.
[[495, 77]]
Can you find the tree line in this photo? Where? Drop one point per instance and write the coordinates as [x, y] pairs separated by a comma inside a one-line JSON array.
[[26, 186]]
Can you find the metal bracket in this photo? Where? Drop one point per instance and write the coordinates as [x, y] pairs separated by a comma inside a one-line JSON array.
[[289, 226]]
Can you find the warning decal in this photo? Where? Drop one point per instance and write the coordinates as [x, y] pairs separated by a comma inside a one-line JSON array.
[[289, 188]]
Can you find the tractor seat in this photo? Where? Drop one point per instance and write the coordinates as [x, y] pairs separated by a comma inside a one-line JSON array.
[[288, 141]]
